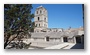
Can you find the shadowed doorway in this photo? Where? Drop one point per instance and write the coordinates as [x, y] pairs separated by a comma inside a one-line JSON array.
[[78, 39], [47, 38], [65, 39]]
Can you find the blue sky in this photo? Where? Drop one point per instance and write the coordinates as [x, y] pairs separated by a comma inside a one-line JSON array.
[[63, 15]]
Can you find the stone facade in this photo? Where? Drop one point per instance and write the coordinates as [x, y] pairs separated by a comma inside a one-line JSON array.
[[43, 33], [41, 19]]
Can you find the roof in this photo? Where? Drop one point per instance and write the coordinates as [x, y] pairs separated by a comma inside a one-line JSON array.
[[54, 34], [38, 35], [41, 7]]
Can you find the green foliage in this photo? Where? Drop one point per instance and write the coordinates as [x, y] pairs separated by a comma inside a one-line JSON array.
[[17, 18]]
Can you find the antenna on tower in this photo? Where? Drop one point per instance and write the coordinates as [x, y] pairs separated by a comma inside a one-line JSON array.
[[41, 6]]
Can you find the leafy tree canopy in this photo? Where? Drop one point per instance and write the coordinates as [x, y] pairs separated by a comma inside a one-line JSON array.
[[17, 19]]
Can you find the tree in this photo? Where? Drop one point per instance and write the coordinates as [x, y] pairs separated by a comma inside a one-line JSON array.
[[17, 21]]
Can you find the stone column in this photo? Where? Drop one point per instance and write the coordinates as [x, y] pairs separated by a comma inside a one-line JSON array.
[[45, 38], [74, 39], [61, 39]]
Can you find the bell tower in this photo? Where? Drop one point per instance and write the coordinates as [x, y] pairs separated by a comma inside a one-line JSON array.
[[40, 19]]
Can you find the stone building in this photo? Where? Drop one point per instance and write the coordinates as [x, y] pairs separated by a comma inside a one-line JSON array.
[[43, 33], [41, 19]]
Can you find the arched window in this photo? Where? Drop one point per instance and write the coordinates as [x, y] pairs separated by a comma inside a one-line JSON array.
[[37, 12], [39, 25], [44, 19], [40, 11], [38, 18]]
